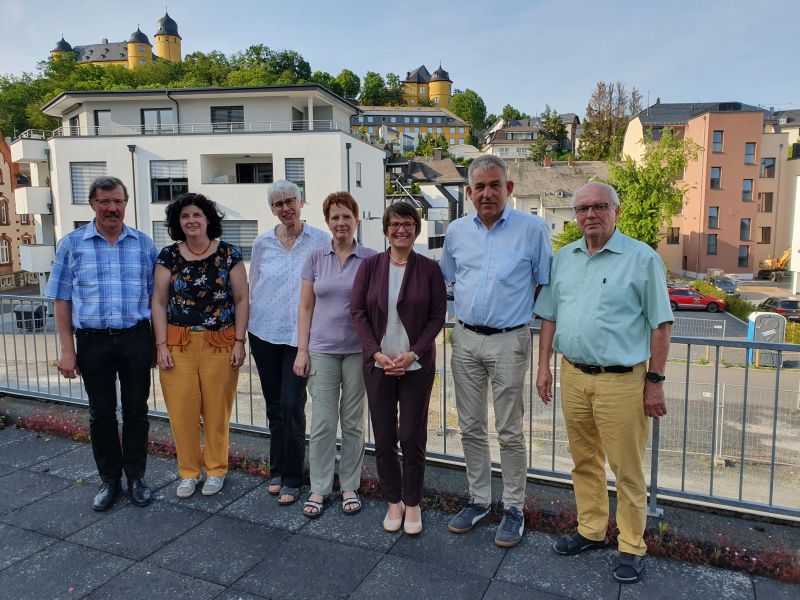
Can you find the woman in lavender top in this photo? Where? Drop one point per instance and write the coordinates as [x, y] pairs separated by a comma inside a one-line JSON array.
[[329, 354]]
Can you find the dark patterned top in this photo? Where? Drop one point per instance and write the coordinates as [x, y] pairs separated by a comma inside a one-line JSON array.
[[200, 290]]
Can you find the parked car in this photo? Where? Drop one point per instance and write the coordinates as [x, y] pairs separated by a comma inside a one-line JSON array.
[[788, 307], [688, 298], [726, 284]]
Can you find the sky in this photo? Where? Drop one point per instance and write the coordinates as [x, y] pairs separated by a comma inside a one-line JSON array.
[[527, 53]]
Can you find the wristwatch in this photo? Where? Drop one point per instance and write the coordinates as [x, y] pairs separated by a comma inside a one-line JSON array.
[[654, 377], [416, 356]]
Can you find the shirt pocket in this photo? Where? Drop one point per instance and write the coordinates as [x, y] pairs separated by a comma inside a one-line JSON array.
[[615, 297], [510, 263]]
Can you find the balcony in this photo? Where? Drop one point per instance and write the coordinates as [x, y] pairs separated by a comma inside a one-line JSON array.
[[36, 258], [202, 128], [33, 200], [29, 147]]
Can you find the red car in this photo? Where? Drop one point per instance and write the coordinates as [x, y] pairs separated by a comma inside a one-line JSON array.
[[688, 298]]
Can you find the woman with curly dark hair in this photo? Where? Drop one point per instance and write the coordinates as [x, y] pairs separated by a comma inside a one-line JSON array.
[[200, 310]]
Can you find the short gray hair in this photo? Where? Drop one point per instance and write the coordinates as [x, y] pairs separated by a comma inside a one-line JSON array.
[[612, 193], [485, 163], [107, 183], [283, 188]]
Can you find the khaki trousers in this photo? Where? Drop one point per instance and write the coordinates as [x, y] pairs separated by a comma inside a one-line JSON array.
[[605, 417], [202, 384], [336, 385], [502, 360]]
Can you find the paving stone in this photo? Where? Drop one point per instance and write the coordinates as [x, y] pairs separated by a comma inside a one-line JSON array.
[[138, 532], [236, 486], [197, 553], [16, 544], [149, 581], [237, 595], [259, 507], [34, 449], [60, 571], [499, 590], [534, 565], [12, 434], [6, 469], [305, 568], [687, 582], [23, 487], [402, 578], [364, 529], [77, 465], [769, 589], [63, 513], [160, 472], [438, 546]]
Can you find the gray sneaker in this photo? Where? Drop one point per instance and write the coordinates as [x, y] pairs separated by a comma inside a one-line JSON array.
[[509, 533], [213, 484], [467, 517], [186, 488]]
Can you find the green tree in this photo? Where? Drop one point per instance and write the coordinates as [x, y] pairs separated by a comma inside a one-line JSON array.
[[373, 91], [469, 106], [205, 70], [512, 114], [571, 233], [554, 127], [649, 193], [349, 83], [610, 108], [393, 95], [538, 149], [428, 143]]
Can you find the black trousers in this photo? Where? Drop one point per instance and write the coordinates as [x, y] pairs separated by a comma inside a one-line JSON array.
[[285, 396], [102, 357], [411, 393]]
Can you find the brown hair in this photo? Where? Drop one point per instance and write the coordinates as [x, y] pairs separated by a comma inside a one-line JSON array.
[[403, 210], [339, 199]]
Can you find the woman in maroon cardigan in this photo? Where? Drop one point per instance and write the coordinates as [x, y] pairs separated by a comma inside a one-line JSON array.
[[398, 307]]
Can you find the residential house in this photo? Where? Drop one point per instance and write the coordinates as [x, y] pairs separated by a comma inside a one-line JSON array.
[[512, 140], [402, 126], [15, 229]]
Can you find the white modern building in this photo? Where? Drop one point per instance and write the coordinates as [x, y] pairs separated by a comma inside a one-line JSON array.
[[226, 143]]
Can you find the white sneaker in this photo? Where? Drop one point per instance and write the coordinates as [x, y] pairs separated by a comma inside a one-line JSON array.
[[213, 484], [186, 488]]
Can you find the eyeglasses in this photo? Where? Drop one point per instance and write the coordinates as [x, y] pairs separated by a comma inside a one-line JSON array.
[[598, 208], [288, 203], [405, 225]]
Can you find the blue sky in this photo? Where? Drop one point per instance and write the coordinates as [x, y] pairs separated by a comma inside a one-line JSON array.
[[526, 53]]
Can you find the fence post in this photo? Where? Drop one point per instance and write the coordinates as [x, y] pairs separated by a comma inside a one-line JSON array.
[[652, 506]]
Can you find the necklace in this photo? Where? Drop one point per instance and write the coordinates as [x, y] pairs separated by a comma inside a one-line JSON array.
[[193, 253], [285, 237], [399, 263]]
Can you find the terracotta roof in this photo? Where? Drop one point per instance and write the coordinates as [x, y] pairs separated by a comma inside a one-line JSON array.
[[427, 168], [532, 179]]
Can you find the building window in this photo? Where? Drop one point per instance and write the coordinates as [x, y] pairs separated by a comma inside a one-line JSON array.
[[406, 119], [765, 202], [26, 239], [713, 217], [157, 120], [716, 178], [416, 119], [253, 172], [3, 211], [370, 119], [716, 141], [5, 251], [75, 125], [24, 219], [711, 244], [767, 168], [394, 119], [750, 153], [358, 175], [438, 130], [416, 129], [461, 141], [460, 130], [452, 142], [370, 129], [227, 118], [430, 119], [102, 122], [766, 235], [747, 190], [673, 235], [452, 130], [422, 89], [744, 256], [744, 230], [168, 179], [82, 174], [238, 233], [296, 173]]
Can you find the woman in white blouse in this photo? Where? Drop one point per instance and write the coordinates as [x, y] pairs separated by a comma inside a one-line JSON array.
[[278, 259]]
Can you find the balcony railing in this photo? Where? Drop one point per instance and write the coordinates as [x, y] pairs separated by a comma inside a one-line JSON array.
[[731, 437]]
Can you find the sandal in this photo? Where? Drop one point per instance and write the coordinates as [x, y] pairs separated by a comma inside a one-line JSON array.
[[288, 491], [351, 506], [274, 486], [318, 507], [630, 568]]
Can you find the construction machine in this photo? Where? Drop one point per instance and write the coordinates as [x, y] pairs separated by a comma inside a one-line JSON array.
[[774, 268]]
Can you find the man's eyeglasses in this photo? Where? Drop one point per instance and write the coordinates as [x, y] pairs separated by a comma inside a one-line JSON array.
[[288, 203], [598, 208], [405, 226]]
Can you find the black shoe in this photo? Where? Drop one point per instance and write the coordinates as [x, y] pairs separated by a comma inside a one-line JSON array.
[[574, 543], [106, 495], [139, 492]]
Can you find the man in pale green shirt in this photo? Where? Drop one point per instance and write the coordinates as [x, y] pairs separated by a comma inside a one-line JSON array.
[[606, 310]]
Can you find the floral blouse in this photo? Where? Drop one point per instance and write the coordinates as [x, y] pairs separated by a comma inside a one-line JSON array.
[[200, 290]]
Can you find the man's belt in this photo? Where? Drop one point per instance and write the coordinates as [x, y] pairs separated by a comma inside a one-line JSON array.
[[483, 330], [112, 331], [596, 369]]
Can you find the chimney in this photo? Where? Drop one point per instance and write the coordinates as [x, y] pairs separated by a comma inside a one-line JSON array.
[[437, 154], [570, 160], [105, 41], [548, 161]]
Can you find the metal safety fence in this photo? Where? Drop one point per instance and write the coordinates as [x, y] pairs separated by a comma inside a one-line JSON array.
[[731, 437]]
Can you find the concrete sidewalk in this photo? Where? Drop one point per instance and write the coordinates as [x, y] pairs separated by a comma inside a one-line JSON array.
[[241, 544]]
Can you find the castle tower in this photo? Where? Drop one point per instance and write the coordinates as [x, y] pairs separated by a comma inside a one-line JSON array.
[[440, 88], [61, 49], [140, 50], [168, 41]]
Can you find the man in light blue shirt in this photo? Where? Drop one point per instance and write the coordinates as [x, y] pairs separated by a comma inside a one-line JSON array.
[[606, 310], [496, 257]]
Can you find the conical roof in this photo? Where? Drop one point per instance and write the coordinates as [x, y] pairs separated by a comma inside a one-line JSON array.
[[167, 26], [62, 46], [137, 37], [441, 75]]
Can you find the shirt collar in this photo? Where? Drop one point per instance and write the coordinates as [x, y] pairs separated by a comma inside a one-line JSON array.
[[614, 244], [271, 231], [358, 250], [503, 218], [91, 231]]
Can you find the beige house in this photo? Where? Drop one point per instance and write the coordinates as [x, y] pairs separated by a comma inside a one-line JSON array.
[[15, 229]]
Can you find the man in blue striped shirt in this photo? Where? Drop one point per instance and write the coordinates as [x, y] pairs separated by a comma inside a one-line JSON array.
[[102, 280]]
